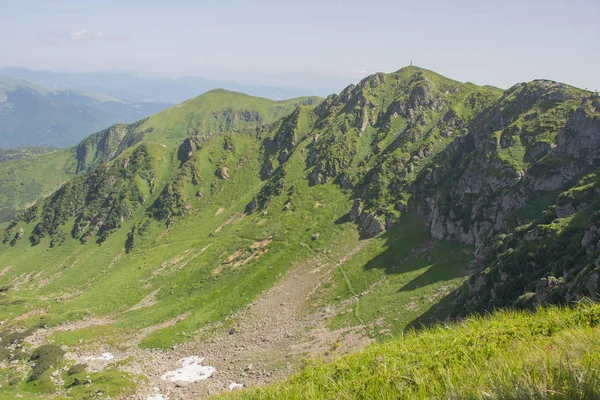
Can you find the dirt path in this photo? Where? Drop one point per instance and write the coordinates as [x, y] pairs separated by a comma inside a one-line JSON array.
[[271, 334]]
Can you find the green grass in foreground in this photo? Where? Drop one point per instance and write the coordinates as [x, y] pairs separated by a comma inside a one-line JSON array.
[[552, 354]]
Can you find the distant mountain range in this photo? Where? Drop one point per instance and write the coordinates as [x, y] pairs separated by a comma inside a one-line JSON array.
[[135, 88], [32, 115], [58, 109]]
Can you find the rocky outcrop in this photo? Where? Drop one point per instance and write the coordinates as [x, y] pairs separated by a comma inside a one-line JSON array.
[[223, 173], [188, 147], [548, 287], [267, 170], [590, 237], [369, 224], [364, 120], [581, 135], [592, 284], [315, 177], [355, 211], [107, 144], [251, 207], [420, 96]]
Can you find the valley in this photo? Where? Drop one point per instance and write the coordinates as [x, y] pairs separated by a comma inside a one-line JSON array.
[[35, 116], [290, 242]]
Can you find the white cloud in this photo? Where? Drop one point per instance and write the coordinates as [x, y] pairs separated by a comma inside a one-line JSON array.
[[79, 35], [362, 72]]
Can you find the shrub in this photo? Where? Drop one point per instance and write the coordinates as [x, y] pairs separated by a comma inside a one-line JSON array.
[[77, 368], [14, 338], [45, 357]]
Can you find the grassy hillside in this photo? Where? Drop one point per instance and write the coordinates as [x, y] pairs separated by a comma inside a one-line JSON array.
[[17, 154], [24, 181], [552, 354], [258, 233]]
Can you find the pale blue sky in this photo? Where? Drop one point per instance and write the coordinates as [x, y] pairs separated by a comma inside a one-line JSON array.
[[498, 43]]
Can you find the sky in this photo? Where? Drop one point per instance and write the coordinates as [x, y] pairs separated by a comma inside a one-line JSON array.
[[485, 42]]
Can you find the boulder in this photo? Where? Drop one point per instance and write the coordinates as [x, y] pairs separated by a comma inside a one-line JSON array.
[[223, 173], [370, 225]]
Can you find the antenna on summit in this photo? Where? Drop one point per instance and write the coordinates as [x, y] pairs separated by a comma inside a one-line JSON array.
[[411, 63]]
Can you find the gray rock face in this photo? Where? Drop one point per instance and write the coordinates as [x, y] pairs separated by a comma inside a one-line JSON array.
[[546, 287], [267, 169], [477, 284], [420, 96], [488, 189], [565, 210], [283, 156], [364, 120], [315, 177], [449, 116], [397, 108], [370, 224], [345, 95], [372, 81], [590, 237], [251, 207], [592, 284], [539, 150], [355, 212], [581, 135], [555, 178], [344, 180], [189, 147], [246, 116]]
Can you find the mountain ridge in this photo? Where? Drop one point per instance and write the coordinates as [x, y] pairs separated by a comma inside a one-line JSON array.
[[104, 145], [136, 88], [414, 197]]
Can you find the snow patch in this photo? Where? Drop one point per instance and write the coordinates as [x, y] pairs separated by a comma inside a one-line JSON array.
[[233, 386], [192, 370]]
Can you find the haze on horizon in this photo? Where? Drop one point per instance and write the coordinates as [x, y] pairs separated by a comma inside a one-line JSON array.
[[498, 43]]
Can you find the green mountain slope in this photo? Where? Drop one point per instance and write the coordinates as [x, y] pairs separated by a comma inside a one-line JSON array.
[[253, 231], [31, 115], [24, 181], [23, 152]]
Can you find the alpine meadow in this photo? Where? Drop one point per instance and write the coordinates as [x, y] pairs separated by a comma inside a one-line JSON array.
[[410, 237]]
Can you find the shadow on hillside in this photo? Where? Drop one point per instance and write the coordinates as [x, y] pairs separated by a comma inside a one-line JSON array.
[[435, 273], [437, 314], [410, 249], [394, 259], [407, 247], [343, 219]]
